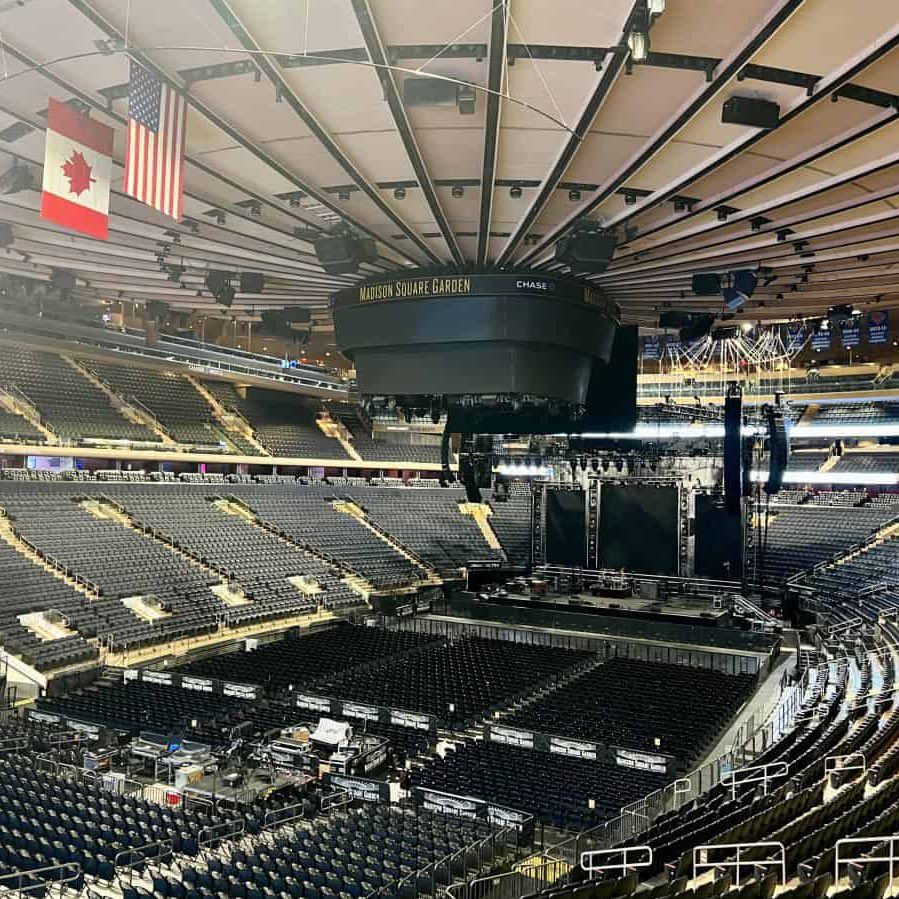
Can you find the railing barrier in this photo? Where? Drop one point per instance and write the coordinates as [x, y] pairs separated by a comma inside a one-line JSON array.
[[126, 860], [588, 859], [762, 774], [222, 831], [891, 858], [738, 862], [73, 869], [337, 799], [853, 761], [278, 817]]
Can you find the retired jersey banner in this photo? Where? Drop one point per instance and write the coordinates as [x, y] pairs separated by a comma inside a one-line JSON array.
[[878, 326], [77, 170]]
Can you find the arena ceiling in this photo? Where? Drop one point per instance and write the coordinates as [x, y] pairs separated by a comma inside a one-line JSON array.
[[296, 121]]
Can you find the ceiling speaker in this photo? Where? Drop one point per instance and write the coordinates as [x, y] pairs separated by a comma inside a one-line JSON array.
[[62, 279], [586, 248], [706, 284], [752, 111], [429, 92], [343, 254], [252, 282]]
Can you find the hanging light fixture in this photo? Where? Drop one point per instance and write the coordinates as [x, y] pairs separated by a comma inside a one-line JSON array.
[[638, 44]]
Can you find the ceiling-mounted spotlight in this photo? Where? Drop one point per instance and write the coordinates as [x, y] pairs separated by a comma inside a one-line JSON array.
[[630, 198], [638, 44], [457, 191], [343, 195], [574, 195], [656, 7], [399, 193], [638, 36], [515, 192], [594, 464], [256, 209], [605, 464]]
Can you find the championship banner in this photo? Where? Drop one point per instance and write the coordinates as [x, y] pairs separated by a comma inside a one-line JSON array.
[[878, 327], [821, 339], [652, 348], [851, 332], [795, 337], [672, 346], [77, 171]]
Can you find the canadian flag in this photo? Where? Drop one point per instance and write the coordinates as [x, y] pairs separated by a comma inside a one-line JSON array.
[[77, 171]]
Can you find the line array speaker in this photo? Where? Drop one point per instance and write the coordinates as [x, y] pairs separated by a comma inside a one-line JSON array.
[[733, 449], [778, 449]]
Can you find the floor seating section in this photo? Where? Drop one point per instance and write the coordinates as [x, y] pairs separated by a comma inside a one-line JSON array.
[[359, 853], [136, 706], [17, 429], [46, 820], [300, 659], [800, 537], [68, 402], [556, 789], [284, 424], [652, 706], [28, 588], [455, 681], [179, 407]]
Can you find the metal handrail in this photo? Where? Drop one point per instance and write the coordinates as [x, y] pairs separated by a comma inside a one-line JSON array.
[[832, 763], [891, 858], [74, 867], [164, 849], [277, 817], [768, 773], [737, 863], [337, 799], [216, 832], [587, 859]]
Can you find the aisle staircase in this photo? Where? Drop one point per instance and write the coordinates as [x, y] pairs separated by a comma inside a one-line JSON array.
[[129, 410], [348, 507], [353, 578], [14, 400], [481, 513], [338, 431], [231, 421]]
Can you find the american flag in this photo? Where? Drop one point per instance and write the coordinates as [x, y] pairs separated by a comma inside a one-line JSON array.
[[154, 155]]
